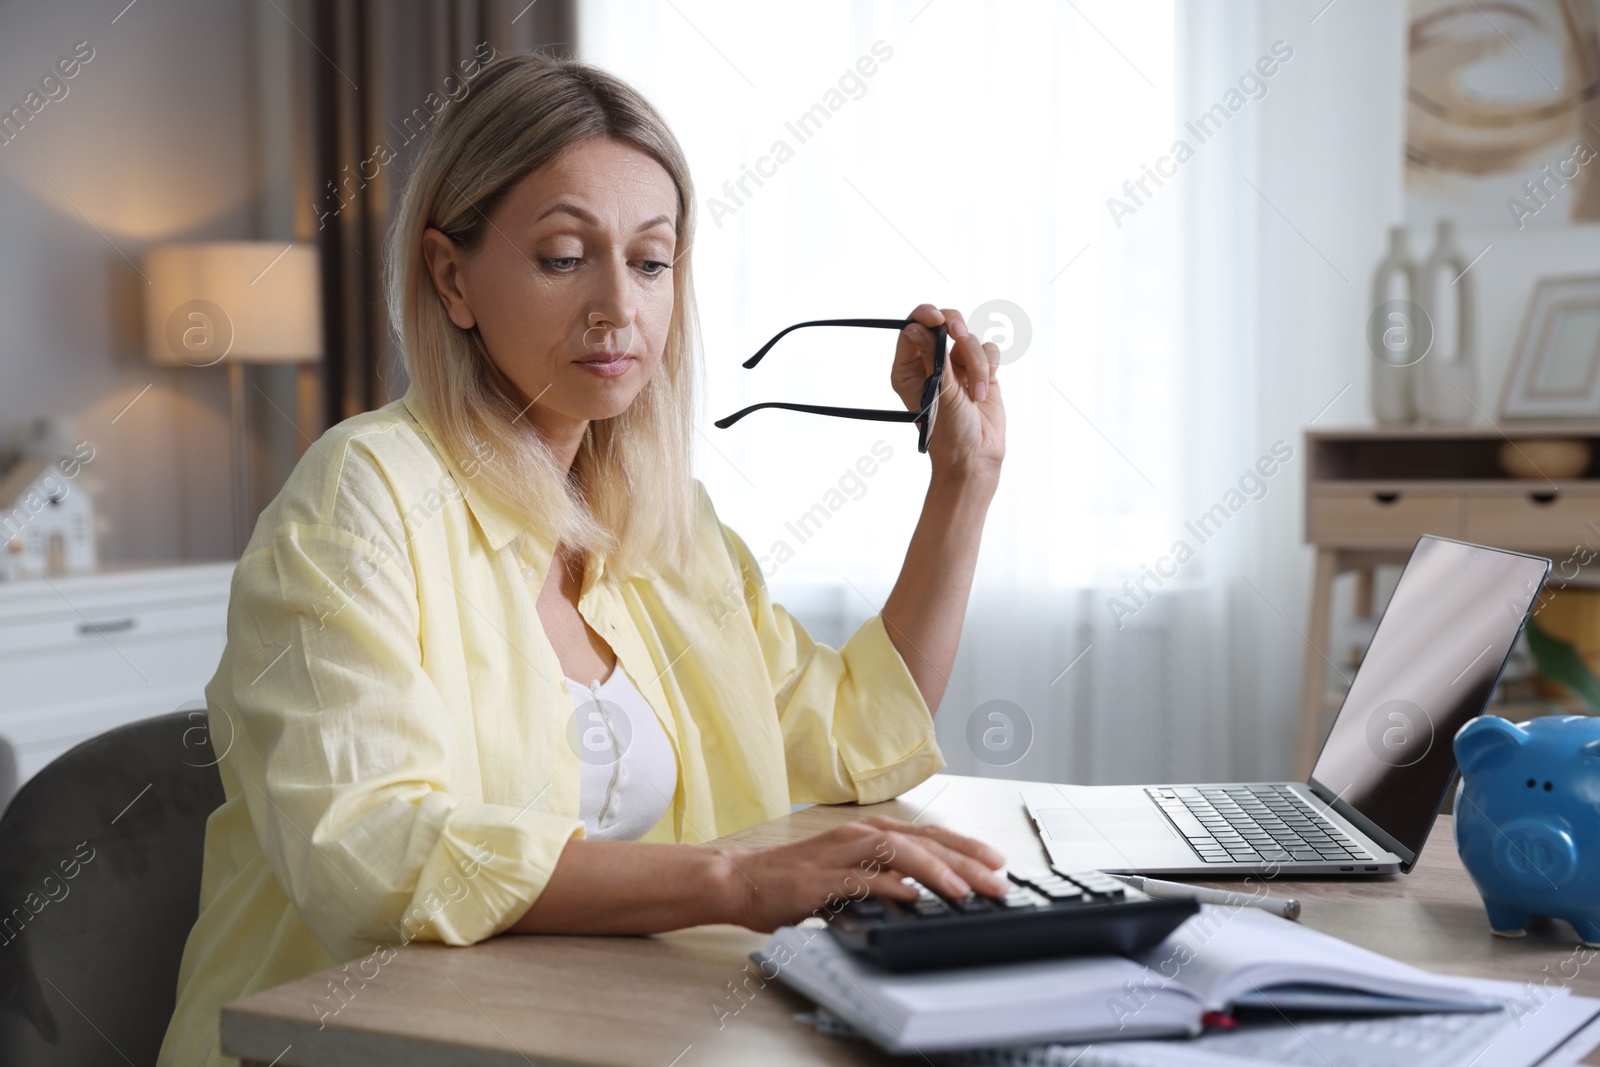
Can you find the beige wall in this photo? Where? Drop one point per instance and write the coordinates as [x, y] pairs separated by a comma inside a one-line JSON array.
[[156, 139]]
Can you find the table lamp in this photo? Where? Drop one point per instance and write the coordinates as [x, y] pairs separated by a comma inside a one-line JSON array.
[[234, 302]]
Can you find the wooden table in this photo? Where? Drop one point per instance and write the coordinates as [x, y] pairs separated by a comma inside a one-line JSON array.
[[656, 1001]]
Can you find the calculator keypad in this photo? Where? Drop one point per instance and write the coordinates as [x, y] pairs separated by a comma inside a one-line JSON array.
[[1045, 912]]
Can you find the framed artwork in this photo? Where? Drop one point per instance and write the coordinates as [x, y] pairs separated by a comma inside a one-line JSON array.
[[1503, 112], [1555, 367]]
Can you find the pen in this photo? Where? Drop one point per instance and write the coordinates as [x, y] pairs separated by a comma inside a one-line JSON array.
[[1155, 887]]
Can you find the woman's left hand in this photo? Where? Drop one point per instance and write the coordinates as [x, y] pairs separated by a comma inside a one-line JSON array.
[[969, 430]]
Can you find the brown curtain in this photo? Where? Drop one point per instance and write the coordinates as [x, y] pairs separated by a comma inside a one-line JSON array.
[[375, 64]]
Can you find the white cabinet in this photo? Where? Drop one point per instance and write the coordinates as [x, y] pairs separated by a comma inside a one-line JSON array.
[[85, 653]]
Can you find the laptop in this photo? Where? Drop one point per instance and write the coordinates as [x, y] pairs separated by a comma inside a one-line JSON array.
[[1384, 771]]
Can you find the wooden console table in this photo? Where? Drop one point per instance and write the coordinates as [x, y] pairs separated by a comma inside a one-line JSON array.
[[1370, 493]]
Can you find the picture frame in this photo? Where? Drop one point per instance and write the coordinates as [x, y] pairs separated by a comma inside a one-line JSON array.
[[1554, 371]]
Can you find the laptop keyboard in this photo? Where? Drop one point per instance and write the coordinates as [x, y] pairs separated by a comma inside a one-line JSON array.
[[1253, 824]]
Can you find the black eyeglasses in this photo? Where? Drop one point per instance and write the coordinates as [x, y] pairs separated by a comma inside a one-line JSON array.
[[927, 411]]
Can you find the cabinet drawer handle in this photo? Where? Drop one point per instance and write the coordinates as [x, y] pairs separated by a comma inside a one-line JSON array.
[[115, 625], [1542, 499], [1386, 498]]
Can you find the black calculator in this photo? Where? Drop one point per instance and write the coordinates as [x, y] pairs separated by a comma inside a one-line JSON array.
[[1047, 913]]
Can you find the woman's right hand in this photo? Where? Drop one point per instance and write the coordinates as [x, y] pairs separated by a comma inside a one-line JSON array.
[[779, 885]]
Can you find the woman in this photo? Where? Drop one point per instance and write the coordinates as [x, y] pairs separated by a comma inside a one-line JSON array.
[[455, 595]]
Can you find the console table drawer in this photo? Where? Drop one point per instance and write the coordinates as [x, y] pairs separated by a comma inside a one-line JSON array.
[[1541, 521], [1380, 519], [85, 653]]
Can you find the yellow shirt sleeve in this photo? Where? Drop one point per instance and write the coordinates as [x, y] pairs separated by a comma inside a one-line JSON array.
[[855, 726], [346, 754]]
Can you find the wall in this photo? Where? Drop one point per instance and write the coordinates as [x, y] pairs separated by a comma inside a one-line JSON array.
[[1331, 156], [152, 142]]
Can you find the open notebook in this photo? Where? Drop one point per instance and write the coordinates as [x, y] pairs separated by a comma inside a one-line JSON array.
[[1221, 959]]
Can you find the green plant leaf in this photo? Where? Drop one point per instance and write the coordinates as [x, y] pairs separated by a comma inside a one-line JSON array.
[[1559, 662]]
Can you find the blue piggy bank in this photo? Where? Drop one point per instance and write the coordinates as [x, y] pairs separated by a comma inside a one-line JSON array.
[[1528, 819]]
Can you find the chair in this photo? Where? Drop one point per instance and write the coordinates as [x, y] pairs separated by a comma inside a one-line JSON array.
[[100, 857]]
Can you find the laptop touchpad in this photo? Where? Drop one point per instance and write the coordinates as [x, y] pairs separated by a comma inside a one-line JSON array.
[[1105, 824]]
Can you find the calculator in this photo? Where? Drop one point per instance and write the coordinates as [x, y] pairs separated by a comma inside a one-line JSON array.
[[1047, 913]]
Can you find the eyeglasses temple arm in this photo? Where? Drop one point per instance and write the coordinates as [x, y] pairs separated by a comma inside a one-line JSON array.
[[871, 414], [885, 324]]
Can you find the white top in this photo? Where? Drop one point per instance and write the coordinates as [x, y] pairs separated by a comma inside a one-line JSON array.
[[629, 771]]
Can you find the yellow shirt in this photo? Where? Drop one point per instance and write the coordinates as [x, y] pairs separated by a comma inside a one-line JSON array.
[[399, 749]]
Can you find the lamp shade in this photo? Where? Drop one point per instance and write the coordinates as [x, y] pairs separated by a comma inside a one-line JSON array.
[[253, 301]]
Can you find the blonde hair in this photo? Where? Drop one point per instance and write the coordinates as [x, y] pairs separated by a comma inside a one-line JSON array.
[[630, 493]]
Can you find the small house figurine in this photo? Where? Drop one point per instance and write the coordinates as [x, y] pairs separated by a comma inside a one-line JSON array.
[[47, 524]]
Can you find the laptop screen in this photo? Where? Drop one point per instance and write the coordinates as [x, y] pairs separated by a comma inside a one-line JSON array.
[[1431, 666]]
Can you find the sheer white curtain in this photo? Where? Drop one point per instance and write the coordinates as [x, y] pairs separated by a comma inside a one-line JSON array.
[[859, 159]]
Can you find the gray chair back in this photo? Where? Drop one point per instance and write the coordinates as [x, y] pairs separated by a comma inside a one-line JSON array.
[[100, 858]]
